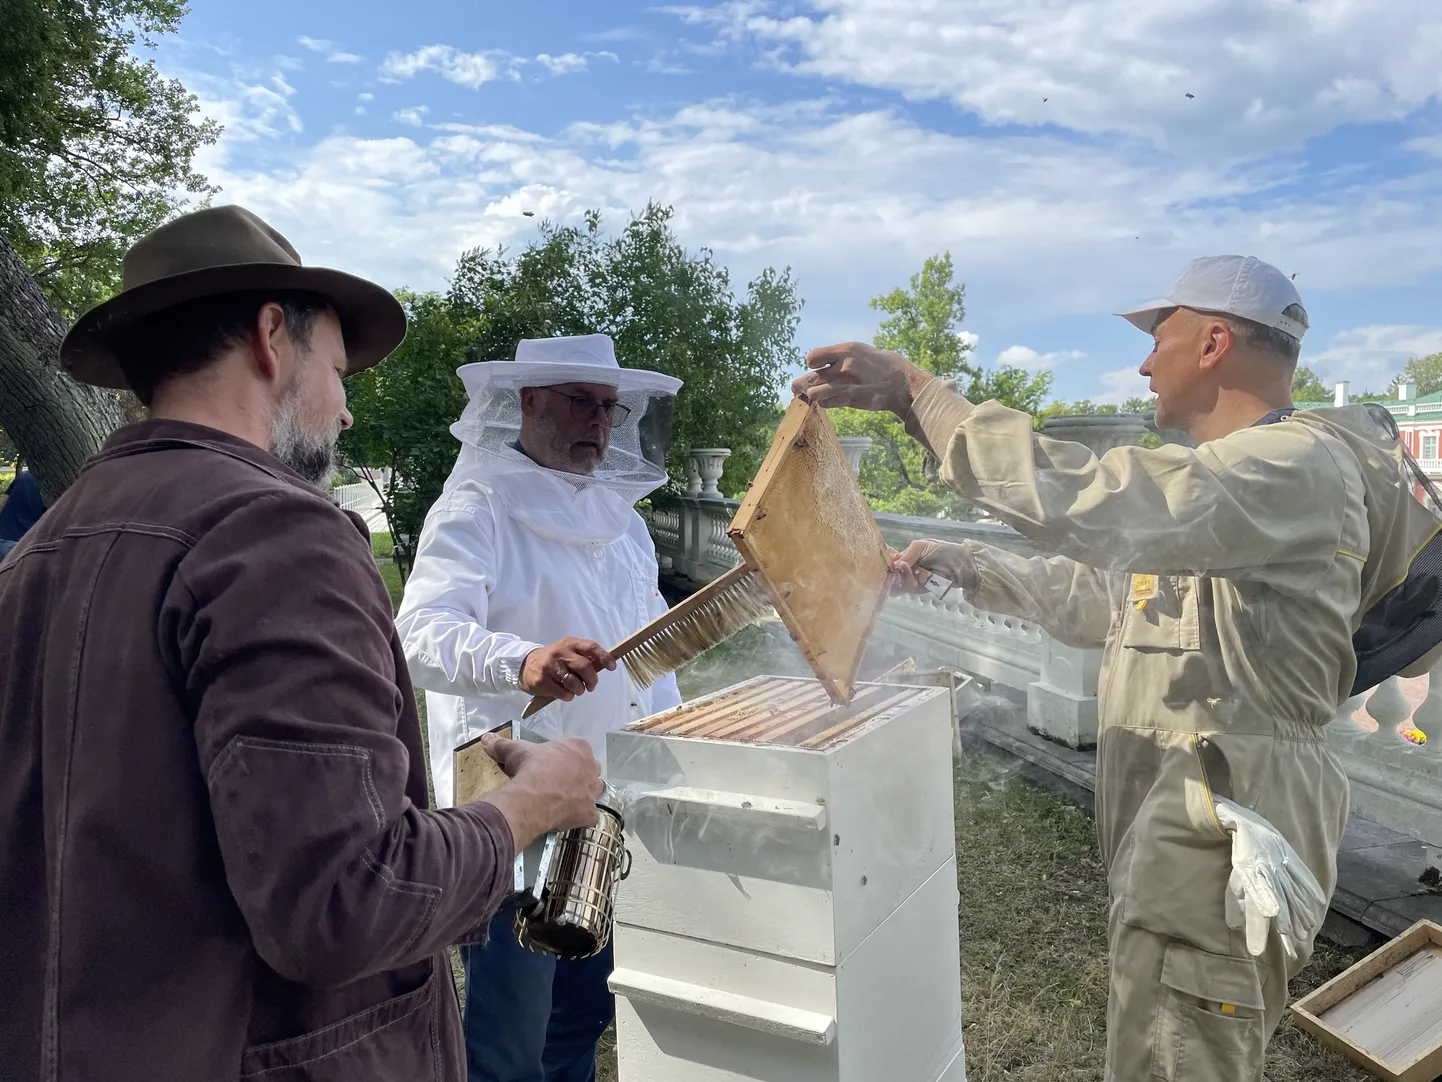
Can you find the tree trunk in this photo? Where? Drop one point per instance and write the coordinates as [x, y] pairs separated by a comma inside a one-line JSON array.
[[55, 422]]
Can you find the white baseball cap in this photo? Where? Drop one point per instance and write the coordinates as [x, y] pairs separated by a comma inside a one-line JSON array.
[[1233, 285]]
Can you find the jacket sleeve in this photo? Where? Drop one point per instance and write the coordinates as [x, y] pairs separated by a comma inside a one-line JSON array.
[[1070, 601], [442, 618], [1265, 503], [285, 648]]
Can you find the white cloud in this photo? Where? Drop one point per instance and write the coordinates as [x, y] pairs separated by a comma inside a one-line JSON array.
[[365, 97], [1039, 225], [1431, 145], [565, 64], [332, 52], [1028, 358], [661, 64], [1262, 75], [1120, 384], [471, 70], [1368, 357], [968, 339], [249, 108]]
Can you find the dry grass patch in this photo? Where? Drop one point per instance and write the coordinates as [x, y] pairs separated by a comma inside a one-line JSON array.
[[1034, 957]]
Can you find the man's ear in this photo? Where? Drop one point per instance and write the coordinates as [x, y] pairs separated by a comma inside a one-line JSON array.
[[1217, 344], [266, 335], [528, 400]]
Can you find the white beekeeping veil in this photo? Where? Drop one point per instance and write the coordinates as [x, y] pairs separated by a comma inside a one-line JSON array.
[[490, 425]]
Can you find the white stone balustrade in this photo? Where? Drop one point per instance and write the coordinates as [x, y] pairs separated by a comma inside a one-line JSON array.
[[1394, 782]]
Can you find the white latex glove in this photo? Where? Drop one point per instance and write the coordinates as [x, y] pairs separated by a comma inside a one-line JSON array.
[[1269, 884]]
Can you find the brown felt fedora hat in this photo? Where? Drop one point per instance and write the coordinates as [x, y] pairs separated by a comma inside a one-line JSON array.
[[216, 251]]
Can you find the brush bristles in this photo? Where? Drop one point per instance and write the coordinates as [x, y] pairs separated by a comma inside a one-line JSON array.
[[711, 624]]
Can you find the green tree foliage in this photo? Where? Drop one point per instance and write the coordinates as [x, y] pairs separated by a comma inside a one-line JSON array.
[[403, 407], [923, 324], [1087, 408], [95, 145], [666, 309], [8, 451], [1307, 386], [1426, 372]]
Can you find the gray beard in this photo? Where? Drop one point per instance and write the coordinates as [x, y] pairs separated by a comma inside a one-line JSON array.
[[310, 454]]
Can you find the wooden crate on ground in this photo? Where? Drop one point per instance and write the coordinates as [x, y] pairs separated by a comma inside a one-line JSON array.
[[1385, 1013]]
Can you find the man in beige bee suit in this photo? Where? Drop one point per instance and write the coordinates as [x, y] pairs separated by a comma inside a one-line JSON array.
[[1224, 583]]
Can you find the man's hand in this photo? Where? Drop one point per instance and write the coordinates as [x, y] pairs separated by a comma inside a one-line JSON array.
[[565, 669], [862, 377], [553, 786], [950, 561]]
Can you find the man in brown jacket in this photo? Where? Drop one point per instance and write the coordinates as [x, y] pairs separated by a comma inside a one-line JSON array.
[[217, 857]]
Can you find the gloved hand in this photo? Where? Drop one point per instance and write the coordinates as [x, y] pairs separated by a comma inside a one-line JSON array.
[[861, 376], [944, 558], [1269, 885]]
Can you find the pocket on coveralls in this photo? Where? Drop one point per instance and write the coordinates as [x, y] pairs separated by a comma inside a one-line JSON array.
[[1209, 1025]]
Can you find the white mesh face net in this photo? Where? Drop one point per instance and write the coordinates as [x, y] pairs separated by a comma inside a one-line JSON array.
[[634, 464]]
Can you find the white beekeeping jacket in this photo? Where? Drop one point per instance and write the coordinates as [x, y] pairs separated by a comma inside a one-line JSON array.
[[514, 556]]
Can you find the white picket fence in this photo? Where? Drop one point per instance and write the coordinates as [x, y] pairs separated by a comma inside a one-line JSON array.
[[363, 499]]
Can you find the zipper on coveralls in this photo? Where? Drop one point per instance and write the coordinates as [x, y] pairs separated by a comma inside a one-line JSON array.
[[1198, 743]]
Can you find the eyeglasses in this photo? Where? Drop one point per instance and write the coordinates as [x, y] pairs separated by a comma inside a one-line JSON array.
[[584, 407]]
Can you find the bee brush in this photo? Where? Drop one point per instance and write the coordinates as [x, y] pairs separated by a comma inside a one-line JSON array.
[[707, 618]]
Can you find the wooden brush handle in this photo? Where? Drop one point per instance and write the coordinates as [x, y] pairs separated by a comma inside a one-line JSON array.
[[656, 626]]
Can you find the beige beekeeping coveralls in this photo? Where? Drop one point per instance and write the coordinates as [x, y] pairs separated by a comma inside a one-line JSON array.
[[1224, 583]]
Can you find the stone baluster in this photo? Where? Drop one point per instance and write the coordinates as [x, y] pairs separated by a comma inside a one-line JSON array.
[[1388, 707], [854, 448], [710, 463], [1428, 716]]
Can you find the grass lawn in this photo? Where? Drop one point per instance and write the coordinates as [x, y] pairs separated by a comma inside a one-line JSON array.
[[1033, 920]]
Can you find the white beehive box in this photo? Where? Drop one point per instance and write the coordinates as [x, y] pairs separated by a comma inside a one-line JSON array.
[[791, 910]]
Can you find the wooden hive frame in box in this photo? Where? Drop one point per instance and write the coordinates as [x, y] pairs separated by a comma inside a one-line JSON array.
[[1385, 1013], [806, 527]]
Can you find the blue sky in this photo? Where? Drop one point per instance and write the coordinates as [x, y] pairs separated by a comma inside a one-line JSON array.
[[1051, 146]]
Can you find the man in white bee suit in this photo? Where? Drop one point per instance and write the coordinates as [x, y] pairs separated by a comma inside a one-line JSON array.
[[1225, 583], [530, 564]]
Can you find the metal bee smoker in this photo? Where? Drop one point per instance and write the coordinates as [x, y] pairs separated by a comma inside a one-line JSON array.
[[569, 898]]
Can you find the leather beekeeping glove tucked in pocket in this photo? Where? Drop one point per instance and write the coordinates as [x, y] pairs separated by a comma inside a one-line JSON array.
[[1270, 886]]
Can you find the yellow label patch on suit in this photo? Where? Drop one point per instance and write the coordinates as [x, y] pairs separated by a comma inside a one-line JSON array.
[[1144, 588]]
